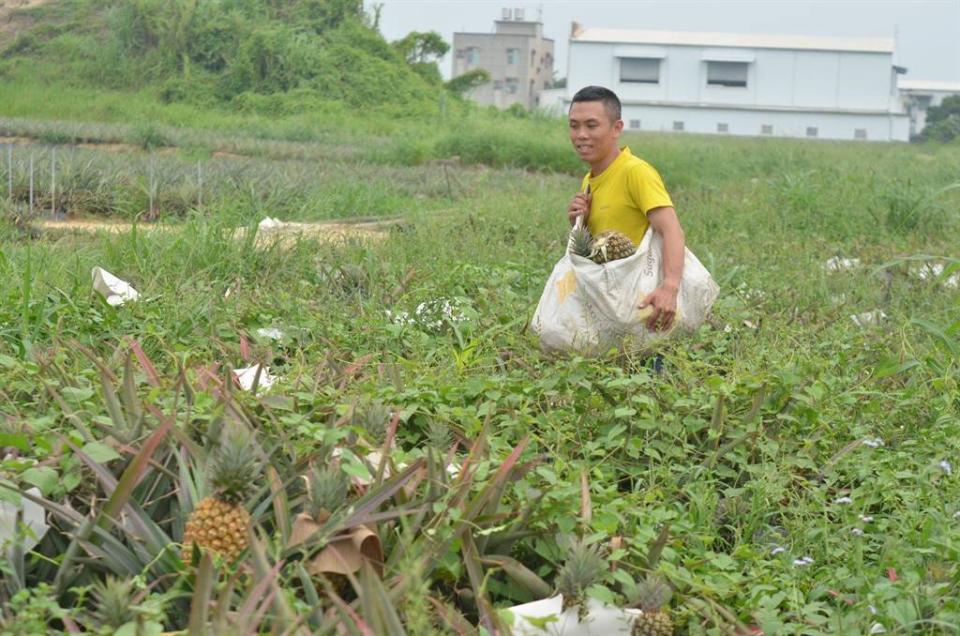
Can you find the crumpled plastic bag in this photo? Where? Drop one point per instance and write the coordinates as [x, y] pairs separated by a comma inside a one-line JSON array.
[[838, 264], [529, 619], [34, 518], [589, 308], [115, 290], [270, 223], [247, 375], [868, 318]]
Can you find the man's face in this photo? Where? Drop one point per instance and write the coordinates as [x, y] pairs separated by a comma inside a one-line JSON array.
[[593, 132]]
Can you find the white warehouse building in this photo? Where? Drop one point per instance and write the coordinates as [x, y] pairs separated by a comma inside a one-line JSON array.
[[740, 84]]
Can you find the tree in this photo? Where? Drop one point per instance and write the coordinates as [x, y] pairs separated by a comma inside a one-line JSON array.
[[422, 51], [943, 121], [419, 47], [470, 80]]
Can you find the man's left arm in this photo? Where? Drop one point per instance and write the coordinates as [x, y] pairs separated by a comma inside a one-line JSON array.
[[663, 300]]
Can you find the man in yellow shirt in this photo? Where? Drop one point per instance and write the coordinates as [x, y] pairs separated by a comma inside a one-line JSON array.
[[624, 193]]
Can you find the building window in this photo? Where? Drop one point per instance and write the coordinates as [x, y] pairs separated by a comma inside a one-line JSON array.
[[766, 129], [635, 124], [678, 125], [473, 55], [513, 56], [811, 131], [512, 85], [641, 70], [533, 58], [727, 74], [497, 85], [722, 128], [860, 133]]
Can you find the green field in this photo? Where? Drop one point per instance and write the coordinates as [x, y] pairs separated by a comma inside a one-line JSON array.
[[789, 470], [749, 440]]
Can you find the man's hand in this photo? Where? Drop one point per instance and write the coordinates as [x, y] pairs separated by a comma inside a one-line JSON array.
[[661, 303], [580, 206]]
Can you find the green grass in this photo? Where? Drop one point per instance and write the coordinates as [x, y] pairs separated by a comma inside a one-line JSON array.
[[747, 442]]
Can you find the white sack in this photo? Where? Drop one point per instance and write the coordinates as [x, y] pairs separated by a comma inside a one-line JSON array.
[[588, 308]]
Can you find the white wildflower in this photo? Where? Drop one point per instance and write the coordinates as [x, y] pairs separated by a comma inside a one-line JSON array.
[[878, 629], [843, 501], [401, 318], [857, 532], [946, 467], [777, 550], [873, 443], [270, 332], [866, 518], [803, 561]]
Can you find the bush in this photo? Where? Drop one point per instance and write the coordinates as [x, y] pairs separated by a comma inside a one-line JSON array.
[[148, 136]]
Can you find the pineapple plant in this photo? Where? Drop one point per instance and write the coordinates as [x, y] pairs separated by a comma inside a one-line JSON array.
[[113, 604], [372, 419], [652, 596], [582, 568], [220, 522], [611, 246], [327, 490], [580, 241]]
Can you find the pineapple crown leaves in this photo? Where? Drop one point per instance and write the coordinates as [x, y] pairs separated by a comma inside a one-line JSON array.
[[651, 594], [583, 567], [580, 241], [373, 418], [235, 467], [113, 600], [438, 436], [327, 489]]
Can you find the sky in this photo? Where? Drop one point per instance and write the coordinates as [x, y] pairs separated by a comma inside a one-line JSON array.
[[927, 31]]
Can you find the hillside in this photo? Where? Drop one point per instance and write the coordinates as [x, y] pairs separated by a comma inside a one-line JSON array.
[[209, 52]]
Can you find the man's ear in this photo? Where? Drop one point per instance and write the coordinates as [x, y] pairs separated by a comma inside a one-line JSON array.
[[618, 126]]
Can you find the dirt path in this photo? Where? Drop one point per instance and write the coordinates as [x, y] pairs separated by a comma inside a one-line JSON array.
[[288, 232], [10, 22]]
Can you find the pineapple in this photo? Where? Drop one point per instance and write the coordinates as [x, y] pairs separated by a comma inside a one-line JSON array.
[[580, 241], [220, 523], [583, 566], [652, 596], [611, 246]]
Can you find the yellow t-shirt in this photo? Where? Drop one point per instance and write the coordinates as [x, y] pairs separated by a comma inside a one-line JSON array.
[[623, 194]]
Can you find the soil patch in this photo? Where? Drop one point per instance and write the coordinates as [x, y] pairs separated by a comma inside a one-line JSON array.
[[287, 233], [10, 23], [16, 141]]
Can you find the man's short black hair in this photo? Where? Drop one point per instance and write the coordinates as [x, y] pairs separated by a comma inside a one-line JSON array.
[[611, 102]]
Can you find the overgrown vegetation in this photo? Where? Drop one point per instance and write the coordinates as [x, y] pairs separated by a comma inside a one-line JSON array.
[[750, 444], [943, 120], [205, 52]]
